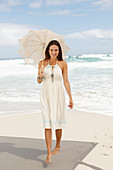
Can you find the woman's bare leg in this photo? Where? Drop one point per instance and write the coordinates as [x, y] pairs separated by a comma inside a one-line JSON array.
[[48, 138], [58, 139]]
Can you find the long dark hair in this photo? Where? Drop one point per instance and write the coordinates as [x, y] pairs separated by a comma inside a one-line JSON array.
[[53, 42]]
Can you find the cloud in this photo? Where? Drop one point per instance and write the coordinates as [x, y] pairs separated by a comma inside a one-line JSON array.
[[35, 4], [99, 4], [14, 2], [81, 1], [57, 2], [54, 12], [60, 12], [4, 8], [103, 4], [6, 5], [10, 33], [91, 34]]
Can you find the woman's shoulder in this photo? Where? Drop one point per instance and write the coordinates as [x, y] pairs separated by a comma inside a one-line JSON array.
[[63, 63], [44, 62]]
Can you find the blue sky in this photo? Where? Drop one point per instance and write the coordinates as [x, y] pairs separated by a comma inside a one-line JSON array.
[[87, 25]]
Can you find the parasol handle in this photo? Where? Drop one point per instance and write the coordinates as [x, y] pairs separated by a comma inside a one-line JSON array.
[[43, 57]]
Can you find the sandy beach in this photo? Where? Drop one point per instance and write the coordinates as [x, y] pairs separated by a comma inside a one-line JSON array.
[[81, 126]]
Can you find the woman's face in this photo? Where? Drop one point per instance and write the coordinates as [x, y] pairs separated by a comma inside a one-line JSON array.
[[53, 51]]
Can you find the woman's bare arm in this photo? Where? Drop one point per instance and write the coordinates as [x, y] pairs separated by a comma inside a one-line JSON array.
[[39, 66], [67, 84], [66, 81]]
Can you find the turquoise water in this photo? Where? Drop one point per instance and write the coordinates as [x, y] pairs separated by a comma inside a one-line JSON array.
[[90, 76]]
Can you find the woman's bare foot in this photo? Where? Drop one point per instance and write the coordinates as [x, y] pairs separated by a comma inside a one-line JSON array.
[[56, 150], [48, 159]]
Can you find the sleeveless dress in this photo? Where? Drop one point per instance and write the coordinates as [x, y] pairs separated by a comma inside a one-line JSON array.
[[52, 99]]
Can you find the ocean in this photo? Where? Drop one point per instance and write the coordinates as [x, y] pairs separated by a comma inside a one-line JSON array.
[[90, 77]]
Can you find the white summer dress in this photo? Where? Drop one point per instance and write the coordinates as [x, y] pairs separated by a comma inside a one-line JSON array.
[[52, 99]]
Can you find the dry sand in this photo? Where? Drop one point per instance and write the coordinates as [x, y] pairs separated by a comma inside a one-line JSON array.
[[81, 126]]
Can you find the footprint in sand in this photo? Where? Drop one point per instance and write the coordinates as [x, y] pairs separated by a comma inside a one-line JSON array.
[[105, 154]]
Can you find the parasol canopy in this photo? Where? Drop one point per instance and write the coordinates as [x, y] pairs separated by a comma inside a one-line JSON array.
[[32, 46]]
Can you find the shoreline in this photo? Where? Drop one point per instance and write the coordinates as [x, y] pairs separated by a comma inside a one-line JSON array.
[[97, 112], [24, 112]]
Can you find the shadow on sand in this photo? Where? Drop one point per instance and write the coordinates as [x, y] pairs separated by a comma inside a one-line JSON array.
[[29, 154]]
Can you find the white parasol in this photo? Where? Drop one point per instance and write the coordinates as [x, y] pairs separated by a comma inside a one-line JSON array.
[[32, 46]]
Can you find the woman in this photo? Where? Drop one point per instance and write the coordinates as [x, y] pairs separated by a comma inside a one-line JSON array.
[[52, 98]]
